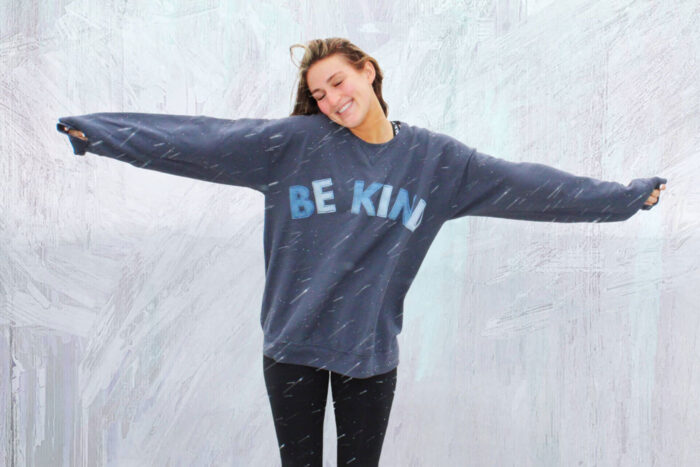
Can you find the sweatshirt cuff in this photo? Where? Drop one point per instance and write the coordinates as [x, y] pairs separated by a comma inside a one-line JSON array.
[[79, 145]]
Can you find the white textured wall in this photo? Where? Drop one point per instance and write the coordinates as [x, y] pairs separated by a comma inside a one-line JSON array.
[[129, 299]]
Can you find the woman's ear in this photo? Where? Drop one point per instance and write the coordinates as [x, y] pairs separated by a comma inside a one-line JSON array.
[[370, 71]]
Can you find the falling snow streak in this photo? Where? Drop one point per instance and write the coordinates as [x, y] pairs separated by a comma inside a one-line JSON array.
[[298, 296]]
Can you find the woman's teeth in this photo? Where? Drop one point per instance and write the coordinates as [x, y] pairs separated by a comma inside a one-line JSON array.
[[345, 107]]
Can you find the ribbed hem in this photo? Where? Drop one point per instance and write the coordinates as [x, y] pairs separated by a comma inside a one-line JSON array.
[[355, 366]]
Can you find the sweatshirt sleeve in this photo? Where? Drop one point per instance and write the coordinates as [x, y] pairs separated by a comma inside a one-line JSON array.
[[493, 187], [234, 152]]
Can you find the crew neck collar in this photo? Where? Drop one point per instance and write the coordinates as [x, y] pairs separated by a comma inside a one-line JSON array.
[[372, 146], [372, 151]]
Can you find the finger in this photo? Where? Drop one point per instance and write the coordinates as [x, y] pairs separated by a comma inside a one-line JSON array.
[[77, 134]]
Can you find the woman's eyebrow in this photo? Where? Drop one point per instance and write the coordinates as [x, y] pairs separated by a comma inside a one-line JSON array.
[[329, 78]]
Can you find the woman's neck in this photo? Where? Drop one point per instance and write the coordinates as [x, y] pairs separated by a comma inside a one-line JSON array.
[[376, 128]]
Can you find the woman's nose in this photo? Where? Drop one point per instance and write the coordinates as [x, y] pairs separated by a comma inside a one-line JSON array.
[[334, 99]]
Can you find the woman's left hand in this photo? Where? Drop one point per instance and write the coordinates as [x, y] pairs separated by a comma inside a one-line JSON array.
[[654, 197]]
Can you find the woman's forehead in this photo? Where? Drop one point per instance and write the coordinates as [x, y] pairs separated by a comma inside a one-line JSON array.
[[329, 65], [324, 70]]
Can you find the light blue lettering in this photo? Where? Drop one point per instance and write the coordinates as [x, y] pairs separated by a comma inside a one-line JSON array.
[[411, 216], [299, 202], [411, 213], [363, 197], [384, 200], [321, 197]]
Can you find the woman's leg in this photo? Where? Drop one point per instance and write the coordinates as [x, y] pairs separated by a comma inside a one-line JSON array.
[[297, 396], [362, 407]]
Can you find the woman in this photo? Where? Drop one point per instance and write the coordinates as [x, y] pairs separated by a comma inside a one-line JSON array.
[[352, 204]]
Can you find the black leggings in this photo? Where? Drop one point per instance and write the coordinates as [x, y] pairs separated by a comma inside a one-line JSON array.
[[297, 396]]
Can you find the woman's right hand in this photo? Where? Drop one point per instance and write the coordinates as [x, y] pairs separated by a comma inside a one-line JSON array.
[[78, 134]]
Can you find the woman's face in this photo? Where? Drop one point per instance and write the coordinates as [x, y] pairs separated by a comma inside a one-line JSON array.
[[334, 83]]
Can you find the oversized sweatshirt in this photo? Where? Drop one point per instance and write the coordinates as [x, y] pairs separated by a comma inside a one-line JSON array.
[[347, 223]]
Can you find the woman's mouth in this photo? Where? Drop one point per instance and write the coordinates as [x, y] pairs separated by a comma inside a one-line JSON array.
[[344, 109]]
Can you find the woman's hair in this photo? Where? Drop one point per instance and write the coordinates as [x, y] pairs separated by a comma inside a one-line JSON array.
[[319, 49]]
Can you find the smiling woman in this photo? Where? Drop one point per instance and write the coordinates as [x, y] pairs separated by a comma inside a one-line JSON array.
[[351, 209], [341, 81]]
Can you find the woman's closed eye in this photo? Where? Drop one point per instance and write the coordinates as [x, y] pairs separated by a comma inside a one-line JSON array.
[[336, 85]]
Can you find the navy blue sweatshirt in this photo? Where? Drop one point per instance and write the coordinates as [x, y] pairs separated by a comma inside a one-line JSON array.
[[347, 222]]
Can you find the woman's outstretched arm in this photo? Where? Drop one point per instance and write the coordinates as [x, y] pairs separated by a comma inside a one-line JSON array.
[[234, 152], [489, 186]]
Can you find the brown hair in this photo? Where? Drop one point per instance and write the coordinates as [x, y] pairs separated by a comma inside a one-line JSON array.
[[319, 49]]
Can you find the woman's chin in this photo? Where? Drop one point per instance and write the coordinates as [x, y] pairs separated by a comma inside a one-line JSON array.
[[351, 123], [348, 123]]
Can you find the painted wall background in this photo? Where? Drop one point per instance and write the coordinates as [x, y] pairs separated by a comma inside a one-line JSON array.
[[130, 299]]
